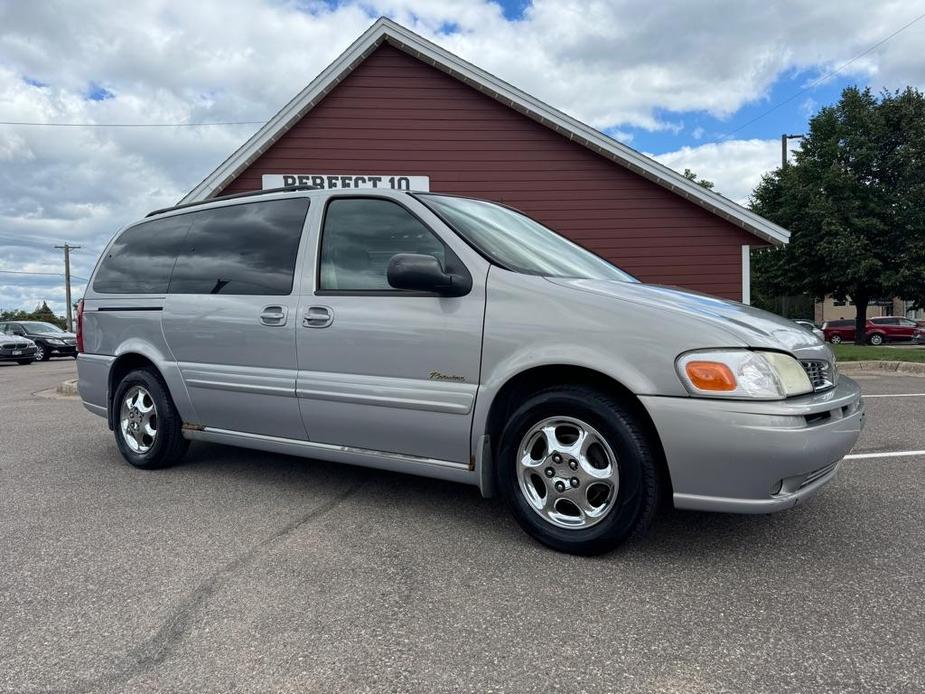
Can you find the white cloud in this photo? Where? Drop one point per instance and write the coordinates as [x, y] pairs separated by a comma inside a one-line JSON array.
[[611, 63], [735, 166]]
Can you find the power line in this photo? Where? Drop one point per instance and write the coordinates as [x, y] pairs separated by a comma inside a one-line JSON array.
[[132, 125], [48, 274], [823, 78]]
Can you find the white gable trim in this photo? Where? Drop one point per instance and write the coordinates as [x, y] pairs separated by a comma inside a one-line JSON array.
[[386, 30]]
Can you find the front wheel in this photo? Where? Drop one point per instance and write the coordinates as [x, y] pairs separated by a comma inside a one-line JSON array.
[[146, 423], [876, 340], [578, 470], [24, 362], [835, 339], [42, 353]]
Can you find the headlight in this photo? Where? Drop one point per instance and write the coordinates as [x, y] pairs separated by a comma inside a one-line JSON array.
[[741, 373], [53, 340]]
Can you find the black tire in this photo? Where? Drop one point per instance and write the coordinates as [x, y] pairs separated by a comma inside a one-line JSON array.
[[169, 446], [876, 340], [42, 353], [24, 362], [637, 462]]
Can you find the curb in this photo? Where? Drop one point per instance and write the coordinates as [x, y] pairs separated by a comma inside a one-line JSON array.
[[68, 388], [903, 367]]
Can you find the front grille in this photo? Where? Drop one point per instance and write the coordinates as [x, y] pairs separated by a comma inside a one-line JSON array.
[[819, 372]]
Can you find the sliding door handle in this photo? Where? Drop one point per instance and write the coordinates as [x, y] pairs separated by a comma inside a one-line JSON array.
[[273, 315]]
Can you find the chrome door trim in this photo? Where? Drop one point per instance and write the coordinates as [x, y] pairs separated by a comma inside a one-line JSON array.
[[387, 391], [240, 387], [239, 379]]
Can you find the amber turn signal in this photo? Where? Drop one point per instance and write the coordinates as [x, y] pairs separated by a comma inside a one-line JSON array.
[[710, 375]]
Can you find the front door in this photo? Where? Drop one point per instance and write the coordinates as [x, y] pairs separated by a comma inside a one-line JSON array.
[[230, 317], [384, 369]]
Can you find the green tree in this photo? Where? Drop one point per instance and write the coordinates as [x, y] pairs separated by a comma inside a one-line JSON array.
[[41, 313], [692, 176], [854, 202]]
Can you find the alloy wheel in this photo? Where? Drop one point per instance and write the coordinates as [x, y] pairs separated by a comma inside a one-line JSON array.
[[138, 420], [567, 472]]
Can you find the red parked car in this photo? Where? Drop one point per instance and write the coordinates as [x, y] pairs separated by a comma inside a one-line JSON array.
[[877, 330]]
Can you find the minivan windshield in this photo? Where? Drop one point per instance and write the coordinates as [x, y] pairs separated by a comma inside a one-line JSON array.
[[518, 243]]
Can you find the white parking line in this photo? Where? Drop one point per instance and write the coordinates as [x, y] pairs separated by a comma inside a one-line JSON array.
[[886, 454], [896, 395]]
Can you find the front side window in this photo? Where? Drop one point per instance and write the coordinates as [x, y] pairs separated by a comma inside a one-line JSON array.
[[361, 235], [245, 249], [518, 243], [140, 260]]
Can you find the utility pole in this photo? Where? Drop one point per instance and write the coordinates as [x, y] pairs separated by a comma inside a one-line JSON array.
[[783, 148], [67, 281]]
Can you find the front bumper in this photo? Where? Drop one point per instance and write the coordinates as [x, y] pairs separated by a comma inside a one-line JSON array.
[[68, 350], [755, 457], [24, 353]]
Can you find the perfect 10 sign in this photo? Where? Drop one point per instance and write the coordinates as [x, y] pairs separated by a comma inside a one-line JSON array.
[[347, 181]]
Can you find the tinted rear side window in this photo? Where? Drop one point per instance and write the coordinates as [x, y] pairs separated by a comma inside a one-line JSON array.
[[241, 249], [140, 260]]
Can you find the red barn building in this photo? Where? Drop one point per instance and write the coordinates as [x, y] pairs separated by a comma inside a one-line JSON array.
[[398, 108]]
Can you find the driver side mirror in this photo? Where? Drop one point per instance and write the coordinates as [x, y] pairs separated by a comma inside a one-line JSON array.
[[421, 272]]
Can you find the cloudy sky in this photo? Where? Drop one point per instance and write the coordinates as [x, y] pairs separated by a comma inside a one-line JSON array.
[[691, 83]]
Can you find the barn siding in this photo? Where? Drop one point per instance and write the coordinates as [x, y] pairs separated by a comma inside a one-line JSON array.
[[394, 114]]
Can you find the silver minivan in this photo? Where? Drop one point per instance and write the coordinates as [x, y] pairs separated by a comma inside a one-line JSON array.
[[455, 338]]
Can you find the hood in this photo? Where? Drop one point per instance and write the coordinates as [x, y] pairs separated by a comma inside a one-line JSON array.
[[57, 336], [14, 339], [754, 327]]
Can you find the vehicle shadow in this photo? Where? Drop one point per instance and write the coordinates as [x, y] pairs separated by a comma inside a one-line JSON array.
[[673, 534]]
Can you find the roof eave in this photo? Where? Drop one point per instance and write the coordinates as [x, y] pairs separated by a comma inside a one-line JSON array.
[[384, 29]]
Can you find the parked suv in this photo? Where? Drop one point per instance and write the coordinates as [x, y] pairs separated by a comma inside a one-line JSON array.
[[49, 339], [876, 330], [459, 339]]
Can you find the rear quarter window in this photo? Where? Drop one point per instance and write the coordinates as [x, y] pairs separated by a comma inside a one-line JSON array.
[[141, 259]]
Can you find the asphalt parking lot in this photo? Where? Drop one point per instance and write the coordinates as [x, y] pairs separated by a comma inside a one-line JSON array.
[[248, 572]]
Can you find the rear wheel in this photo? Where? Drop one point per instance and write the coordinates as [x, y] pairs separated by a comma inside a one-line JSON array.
[[146, 424], [835, 339], [578, 470]]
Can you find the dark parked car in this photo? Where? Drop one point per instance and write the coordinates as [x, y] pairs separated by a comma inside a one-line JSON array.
[[15, 348], [877, 330], [49, 339]]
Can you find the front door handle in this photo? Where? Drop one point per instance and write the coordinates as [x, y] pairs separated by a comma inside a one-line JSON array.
[[273, 315], [318, 317]]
